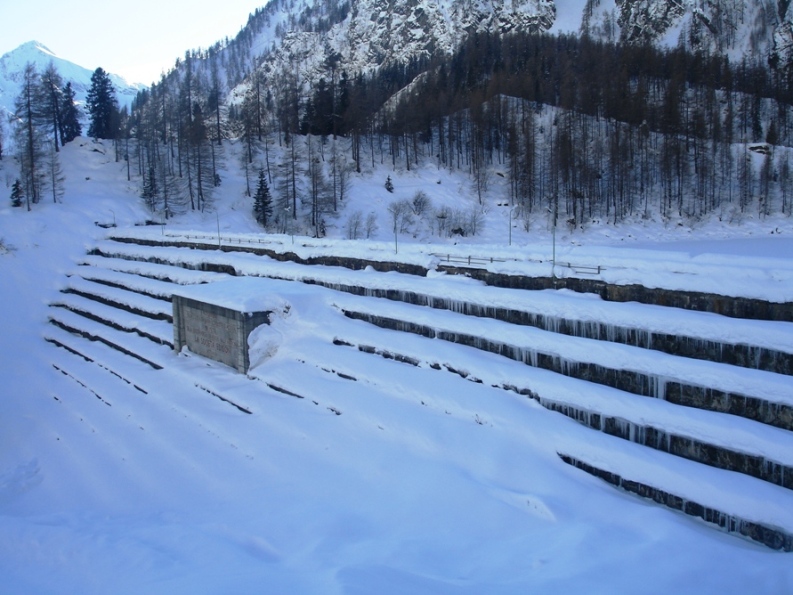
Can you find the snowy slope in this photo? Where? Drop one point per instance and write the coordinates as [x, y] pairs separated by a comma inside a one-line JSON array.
[[405, 479]]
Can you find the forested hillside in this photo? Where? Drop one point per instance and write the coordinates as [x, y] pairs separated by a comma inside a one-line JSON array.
[[587, 129], [661, 111]]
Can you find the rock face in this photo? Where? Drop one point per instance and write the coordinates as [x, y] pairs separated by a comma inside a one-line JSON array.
[[364, 34], [760, 30], [370, 33], [297, 42], [647, 21]]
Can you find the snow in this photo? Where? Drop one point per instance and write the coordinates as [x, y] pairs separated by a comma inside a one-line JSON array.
[[12, 65], [569, 14], [244, 295], [560, 304], [385, 476]]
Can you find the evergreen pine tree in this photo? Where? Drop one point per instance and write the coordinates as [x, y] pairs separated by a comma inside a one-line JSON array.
[[70, 116], [17, 194], [150, 192], [262, 201], [102, 106], [389, 185]]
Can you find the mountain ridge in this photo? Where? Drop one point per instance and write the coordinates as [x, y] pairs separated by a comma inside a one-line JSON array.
[[362, 35], [12, 64]]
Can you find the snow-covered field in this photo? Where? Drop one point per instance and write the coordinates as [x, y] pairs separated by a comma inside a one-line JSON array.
[[385, 477]]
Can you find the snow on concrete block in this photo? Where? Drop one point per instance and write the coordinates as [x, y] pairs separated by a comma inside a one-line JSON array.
[[215, 319]]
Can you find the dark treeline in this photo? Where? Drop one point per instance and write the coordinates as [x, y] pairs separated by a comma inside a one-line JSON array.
[[632, 84]]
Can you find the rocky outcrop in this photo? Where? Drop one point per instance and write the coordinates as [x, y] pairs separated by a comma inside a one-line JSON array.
[[760, 30]]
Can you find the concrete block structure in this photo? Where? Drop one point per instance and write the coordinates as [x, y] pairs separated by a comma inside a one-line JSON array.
[[215, 319]]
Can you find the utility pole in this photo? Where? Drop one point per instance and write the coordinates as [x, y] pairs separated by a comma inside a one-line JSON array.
[[553, 261]]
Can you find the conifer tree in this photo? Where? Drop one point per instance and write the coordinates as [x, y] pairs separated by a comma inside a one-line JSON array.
[[17, 194], [150, 192], [70, 116], [55, 175], [102, 106], [262, 201], [28, 136], [51, 101]]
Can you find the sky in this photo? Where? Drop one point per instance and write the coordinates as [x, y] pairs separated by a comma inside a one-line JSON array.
[[138, 40]]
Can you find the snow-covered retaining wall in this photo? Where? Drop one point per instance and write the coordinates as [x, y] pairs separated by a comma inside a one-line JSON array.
[[632, 381], [734, 307], [771, 537], [683, 446], [325, 260], [727, 305], [736, 354]]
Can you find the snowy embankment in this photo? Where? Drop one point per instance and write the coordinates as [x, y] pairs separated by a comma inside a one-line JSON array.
[[385, 477], [772, 387]]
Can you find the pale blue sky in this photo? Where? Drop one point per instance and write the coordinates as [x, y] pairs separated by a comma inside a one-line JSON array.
[[138, 39]]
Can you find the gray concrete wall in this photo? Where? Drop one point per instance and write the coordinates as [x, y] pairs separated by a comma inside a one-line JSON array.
[[218, 333]]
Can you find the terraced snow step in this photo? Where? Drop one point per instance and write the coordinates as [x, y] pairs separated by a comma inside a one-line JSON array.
[[730, 493], [135, 302], [352, 383], [131, 282], [748, 343], [163, 272], [128, 343], [529, 341], [766, 533], [156, 330], [162, 382], [708, 437]]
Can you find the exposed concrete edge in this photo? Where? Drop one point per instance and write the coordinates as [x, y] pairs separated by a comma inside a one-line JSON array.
[[679, 445], [638, 383], [769, 536], [734, 307], [737, 354]]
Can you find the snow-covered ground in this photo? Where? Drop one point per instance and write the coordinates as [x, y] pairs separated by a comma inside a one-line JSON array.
[[386, 477]]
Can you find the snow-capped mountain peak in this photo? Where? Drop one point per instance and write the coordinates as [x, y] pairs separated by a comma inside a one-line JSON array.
[[12, 65]]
